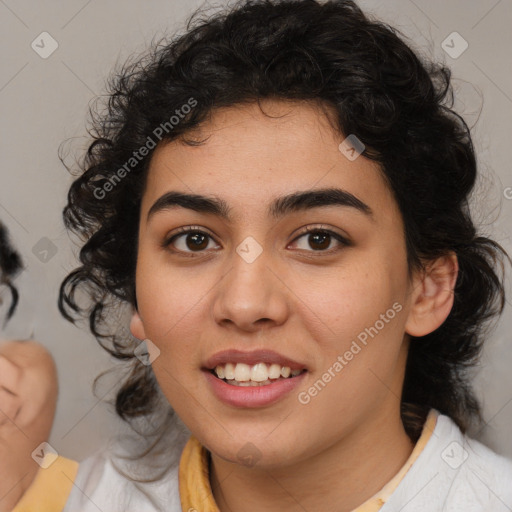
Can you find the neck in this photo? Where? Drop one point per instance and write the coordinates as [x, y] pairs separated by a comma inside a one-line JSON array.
[[339, 479]]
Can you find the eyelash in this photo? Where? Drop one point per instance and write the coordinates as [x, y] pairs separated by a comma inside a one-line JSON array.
[[309, 230]]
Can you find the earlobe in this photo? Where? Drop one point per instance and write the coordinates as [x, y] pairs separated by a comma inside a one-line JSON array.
[[137, 327], [433, 296]]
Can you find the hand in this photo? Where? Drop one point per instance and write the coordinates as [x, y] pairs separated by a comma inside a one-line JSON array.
[[28, 383], [10, 401], [28, 397]]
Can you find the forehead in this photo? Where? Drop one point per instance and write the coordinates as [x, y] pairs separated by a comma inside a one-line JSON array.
[[249, 158]]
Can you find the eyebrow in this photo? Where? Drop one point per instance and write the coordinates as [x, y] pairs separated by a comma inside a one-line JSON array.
[[297, 201]]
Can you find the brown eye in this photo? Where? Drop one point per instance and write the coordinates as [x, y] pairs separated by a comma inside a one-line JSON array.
[[189, 240], [320, 240], [195, 241]]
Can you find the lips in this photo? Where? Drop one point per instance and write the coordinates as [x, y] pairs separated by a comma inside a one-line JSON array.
[[252, 397], [251, 358]]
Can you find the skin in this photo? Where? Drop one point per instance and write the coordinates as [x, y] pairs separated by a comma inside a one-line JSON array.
[[28, 398], [344, 445]]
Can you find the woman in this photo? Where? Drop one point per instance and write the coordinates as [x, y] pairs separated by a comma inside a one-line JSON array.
[[280, 197]]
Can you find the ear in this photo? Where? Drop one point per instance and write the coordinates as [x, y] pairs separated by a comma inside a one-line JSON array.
[[432, 296], [136, 326]]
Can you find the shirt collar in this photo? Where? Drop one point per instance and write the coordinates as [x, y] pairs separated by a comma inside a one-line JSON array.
[[196, 492]]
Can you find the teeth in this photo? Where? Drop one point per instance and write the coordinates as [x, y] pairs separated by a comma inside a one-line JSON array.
[[242, 372], [258, 373], [220, 372], [249, 384], [274, 372], [229, 371]]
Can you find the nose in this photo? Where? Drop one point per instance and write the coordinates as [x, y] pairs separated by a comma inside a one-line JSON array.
[[251, 296]]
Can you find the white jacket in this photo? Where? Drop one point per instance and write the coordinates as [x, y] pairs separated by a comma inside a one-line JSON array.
[[453, 473]]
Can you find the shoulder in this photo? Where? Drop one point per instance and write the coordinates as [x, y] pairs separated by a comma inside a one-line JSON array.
[[101, 483], [51, 486], [113, 479], [483, 478], [454, 473]]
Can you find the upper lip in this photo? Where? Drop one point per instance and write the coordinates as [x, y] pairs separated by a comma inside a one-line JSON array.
[[251, 358]]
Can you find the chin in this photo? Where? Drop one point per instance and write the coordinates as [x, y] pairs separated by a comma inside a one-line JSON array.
[[254, 451]]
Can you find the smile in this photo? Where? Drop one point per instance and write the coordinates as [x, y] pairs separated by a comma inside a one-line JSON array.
[[259, 374], [249, 394]]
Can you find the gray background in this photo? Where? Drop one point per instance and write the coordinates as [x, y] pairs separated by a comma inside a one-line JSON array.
[[43, 102]]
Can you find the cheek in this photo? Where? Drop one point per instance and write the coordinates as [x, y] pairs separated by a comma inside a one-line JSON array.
[[359, 316], [166, 297], [172, 309], [346, 302]]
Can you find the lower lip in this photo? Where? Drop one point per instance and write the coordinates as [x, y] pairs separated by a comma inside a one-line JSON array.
[[252, 396]]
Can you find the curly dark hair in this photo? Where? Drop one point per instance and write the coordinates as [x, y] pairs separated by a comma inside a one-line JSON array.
[[10, 266], [379, 89]]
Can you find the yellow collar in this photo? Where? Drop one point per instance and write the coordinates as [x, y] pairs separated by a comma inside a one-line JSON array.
[[196, 492], [50, 489]]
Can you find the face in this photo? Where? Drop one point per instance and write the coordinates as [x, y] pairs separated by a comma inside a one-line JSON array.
[[335, 300]]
